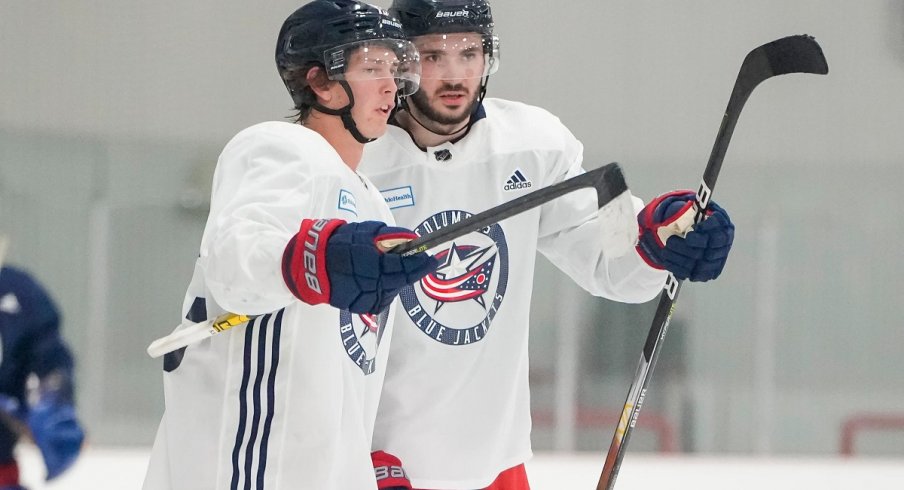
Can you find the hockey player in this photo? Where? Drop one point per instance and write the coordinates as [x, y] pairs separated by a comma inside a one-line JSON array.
[[36, 388], [289, 400], [457, 382]]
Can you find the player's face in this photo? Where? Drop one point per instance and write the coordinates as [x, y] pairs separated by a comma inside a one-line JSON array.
[[451, 69], [371, 77]]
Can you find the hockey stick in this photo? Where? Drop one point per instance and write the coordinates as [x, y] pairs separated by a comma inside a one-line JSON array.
[[794, 54], [607, 180]]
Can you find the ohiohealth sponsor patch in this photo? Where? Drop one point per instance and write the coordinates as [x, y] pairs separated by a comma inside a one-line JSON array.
[[399, 197], [347, 202]]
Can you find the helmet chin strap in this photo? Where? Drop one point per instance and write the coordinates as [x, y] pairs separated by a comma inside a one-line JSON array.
[[345, 114]]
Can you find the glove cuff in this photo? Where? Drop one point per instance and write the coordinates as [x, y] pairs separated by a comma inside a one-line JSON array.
[[304, 260], [392, 239], [389, 472], [669, 214], [648, 254]]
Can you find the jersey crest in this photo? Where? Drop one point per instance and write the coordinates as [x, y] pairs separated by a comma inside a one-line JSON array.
[[361, 335], [456, 304], [464, 273]]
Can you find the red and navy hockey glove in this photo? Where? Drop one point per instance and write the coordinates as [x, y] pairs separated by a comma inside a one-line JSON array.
[[389, 472], [331, 261], [701, 253]]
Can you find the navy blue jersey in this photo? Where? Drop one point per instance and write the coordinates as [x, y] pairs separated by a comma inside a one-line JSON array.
[[30, 342]]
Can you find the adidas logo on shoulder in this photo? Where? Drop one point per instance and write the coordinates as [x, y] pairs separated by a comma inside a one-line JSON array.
[[517, 182]]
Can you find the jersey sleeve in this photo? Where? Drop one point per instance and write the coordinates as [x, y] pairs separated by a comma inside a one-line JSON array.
[[570, 237], [49, 352], [46, 352], [263, 188]]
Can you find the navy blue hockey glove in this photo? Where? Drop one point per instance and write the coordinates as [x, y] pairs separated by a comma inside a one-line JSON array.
[[701, 254], [331, 261]]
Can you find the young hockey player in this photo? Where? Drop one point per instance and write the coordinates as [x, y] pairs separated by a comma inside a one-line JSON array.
[[289, 400]]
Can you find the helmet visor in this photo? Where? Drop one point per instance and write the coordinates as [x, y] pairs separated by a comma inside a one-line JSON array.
[[459, 55], [376, 59]]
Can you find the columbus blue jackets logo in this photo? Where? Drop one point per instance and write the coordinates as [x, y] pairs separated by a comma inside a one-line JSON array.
[[361, 336], [464, 273], [455, 305]]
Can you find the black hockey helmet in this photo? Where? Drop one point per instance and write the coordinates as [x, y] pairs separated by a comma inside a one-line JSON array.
[[325, 32], [422, 17]]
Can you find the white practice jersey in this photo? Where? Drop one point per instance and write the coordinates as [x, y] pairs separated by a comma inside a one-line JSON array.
[[456, 405], [288, 400]]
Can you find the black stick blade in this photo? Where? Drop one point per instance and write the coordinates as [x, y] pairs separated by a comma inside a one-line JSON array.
[[795, 54], [792, 54]]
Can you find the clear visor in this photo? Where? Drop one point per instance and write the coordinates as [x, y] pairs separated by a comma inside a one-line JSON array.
[[458, 55], [376, 60]]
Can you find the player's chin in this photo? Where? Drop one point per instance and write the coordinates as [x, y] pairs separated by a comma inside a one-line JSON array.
[[455, 117], [374, 128], [452, 111]]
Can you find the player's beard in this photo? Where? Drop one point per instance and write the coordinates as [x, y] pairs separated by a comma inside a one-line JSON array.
[[420, 101]]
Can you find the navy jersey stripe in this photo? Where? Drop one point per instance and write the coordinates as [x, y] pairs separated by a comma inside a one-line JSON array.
[[256, 399], [271, 400], [243, 405], [198, 311]]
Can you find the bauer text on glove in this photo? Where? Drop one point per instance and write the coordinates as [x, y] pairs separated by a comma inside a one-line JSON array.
[[389, 472], [331, 261]]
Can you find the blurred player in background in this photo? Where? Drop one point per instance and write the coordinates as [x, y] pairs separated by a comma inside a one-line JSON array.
[[288, 400], [36, 378], [456, 404]]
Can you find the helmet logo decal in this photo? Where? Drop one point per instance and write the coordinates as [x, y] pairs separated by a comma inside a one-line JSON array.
[[337, 60], [451, 13]]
